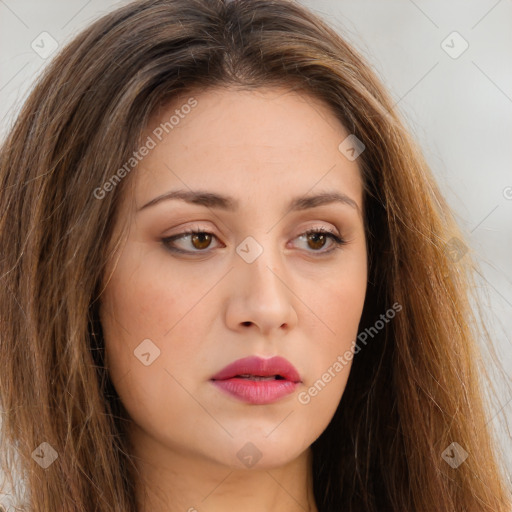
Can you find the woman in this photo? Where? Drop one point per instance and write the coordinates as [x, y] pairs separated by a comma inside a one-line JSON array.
[[229, 281]]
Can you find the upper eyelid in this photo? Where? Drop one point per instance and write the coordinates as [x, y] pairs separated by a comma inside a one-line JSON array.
[[198, 229]]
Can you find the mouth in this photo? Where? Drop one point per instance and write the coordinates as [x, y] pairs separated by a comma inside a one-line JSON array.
[[258, 381], [259, 377], [258, 368]]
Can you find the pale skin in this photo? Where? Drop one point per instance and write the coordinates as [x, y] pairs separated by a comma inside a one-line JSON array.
[[204, 310]]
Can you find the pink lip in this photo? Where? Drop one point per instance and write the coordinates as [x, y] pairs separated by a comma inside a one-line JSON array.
[[254, 391]]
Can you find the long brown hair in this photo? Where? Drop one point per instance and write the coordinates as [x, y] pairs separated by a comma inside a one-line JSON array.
[[411, 393]]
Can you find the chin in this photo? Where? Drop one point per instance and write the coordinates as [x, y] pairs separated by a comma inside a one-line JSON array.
[[259, 452]]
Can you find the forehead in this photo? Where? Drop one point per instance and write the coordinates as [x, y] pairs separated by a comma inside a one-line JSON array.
[[273, 139], [267, 118]]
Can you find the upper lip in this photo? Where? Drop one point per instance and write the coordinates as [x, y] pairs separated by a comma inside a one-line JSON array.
[[257, 366]]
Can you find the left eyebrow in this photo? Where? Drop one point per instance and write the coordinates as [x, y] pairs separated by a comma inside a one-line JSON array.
[[219, 201]]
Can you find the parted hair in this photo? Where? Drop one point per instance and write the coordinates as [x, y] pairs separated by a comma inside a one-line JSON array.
[[417, 387]]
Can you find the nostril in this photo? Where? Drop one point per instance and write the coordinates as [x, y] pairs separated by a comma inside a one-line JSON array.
[[246, 323]]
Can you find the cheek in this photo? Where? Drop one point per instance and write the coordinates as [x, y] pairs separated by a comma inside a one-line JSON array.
[[348, 295], [336, 303], [141, 363], [318, 400], [132, 312], [332, 333], [144, 301], [145, 319]]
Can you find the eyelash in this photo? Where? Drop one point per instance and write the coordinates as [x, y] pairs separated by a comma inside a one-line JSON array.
[[337, 241]]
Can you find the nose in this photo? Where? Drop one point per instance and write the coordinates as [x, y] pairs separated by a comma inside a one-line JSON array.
[[261, 296]]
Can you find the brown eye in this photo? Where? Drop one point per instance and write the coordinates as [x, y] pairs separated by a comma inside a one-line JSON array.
[[316, 240], [201, 240], [197, 241]]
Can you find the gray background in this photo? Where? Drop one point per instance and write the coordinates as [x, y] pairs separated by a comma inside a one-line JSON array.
[[459, 109]]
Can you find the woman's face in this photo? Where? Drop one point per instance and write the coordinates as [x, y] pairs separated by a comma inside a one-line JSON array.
[[251, 283]]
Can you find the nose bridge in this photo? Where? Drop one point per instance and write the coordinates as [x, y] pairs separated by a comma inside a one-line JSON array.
[[260, 265], [262, 296]]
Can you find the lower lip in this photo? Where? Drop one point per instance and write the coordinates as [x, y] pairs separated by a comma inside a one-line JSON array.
[[257, 392]]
